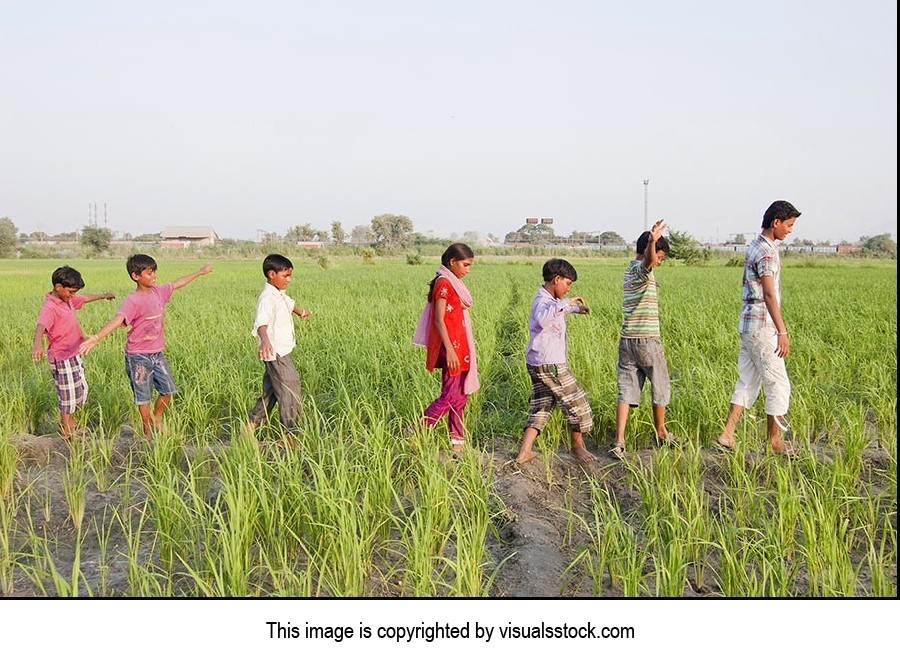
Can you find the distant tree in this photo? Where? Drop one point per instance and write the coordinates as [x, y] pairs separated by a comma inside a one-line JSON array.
[[66, 236], [8, 235], [39, 236], [740, 239], [471, 237], [270, 238], [579, 237], [881, 245], [147, 238], [537, 234], [362, 235], [391, 230], [96, 239], [321, 235], [611, 238], [299, 234], [684, 247], [23, 237], [805, 242], [337, 233]]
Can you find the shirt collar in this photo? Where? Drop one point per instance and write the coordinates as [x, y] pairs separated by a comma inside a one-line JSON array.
[[53, 298], [273, 290], [771, 242], [546, 294]]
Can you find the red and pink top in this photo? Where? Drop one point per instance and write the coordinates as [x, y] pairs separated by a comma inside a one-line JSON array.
[[454, 319]]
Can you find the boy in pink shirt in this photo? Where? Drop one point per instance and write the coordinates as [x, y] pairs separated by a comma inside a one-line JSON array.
[[144, 312], [57, 321]]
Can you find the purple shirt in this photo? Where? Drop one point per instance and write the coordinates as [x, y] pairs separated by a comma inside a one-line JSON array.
[[145, 313], [59, 321], [547, 325]]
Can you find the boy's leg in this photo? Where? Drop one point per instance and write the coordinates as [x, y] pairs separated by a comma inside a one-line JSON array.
[[287, 389], [657, 371], [265, 403], [773, 430], [146, 418], [66, 425], [540, 405], [526, 451], [622, 410], [746, 389], [71, 390], [629, 382], [162, 401], [573, 400], [659, 421]]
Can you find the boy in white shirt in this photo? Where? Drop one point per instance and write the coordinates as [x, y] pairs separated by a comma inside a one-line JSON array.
[[274, 327]]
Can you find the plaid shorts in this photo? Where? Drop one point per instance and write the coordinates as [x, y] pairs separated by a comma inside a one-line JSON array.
[[552, 385], [71, 385]]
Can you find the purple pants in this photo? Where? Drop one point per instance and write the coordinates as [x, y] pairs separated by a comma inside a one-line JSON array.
[[451, 402]]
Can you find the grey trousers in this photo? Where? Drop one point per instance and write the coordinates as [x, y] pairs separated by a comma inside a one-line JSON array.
[[281, 384]]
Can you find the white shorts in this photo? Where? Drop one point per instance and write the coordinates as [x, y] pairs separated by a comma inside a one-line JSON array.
[[759, 366]]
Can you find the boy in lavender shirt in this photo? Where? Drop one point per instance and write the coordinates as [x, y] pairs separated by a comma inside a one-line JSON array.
[[57, 320], [552, 383], [144, 312]]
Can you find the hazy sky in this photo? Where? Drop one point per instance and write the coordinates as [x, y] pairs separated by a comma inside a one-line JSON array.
[[462, 115]]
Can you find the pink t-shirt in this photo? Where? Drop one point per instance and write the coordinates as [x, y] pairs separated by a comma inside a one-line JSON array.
[[144, 313], [59, 321]]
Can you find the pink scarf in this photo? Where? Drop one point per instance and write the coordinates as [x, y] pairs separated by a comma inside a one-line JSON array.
[[426, 326]]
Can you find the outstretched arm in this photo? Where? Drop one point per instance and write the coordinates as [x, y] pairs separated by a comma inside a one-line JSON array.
[[98, 296], [303, 313], [187, 279], [774, 309], [88, 344], [37, 346], [650, 253]]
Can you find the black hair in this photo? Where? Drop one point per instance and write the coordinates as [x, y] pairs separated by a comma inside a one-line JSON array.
[[276, 262], [662, 245], [67, 278], [559, 268], [779, 210], [455, 252], [137, 263]]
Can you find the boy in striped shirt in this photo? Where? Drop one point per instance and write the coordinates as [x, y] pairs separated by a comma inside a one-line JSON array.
[[641, 355]]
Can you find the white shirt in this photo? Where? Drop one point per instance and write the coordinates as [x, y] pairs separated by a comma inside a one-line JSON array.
[[275, 309]]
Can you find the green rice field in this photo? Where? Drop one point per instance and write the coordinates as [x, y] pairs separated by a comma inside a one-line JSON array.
[[349, 507]]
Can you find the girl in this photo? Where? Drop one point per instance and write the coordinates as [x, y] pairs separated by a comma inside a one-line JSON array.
[[445, 331]]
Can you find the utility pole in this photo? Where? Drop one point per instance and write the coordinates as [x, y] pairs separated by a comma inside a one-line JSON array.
[[646, 183]]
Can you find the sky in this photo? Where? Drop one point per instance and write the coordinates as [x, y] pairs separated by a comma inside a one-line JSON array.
[[464, 116]]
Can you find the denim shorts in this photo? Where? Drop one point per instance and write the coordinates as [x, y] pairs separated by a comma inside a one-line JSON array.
[[146, 371]]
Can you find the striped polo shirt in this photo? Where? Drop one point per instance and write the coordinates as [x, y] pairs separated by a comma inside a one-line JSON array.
[[640, 304]]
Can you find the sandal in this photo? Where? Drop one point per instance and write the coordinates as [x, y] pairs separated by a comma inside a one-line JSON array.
[[669, 439], [618, 451]]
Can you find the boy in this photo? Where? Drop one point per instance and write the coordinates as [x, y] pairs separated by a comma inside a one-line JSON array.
[[552, 383], [57, 320], [641, 355], [144, 311], [764, 336], [274, 328]]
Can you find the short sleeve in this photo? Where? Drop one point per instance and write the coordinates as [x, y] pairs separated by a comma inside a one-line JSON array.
[[767, 265], [78, 301], [165, 292], [442, 289], [127, 309], [46, 317], [265, 313]]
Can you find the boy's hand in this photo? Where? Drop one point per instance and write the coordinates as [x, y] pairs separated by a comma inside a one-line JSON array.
[[657, 229], [205, 270], [107, 296], [37, 353], [266, 351], [784, 346], [88, 344], [304, 314]]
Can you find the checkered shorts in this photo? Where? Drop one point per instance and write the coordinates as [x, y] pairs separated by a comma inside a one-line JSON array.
[[552, 385], [71, 385]]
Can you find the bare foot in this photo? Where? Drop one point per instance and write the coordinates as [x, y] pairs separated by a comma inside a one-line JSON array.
[[250, 427], [457, 445], [525, 456], [582, 454], [725, 442], [780, 447]]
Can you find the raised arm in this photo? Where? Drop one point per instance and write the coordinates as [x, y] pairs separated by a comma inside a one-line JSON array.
[[88, 344], [770, 297], [37, 346], [650, 253], [187, 279], [98, 296]]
